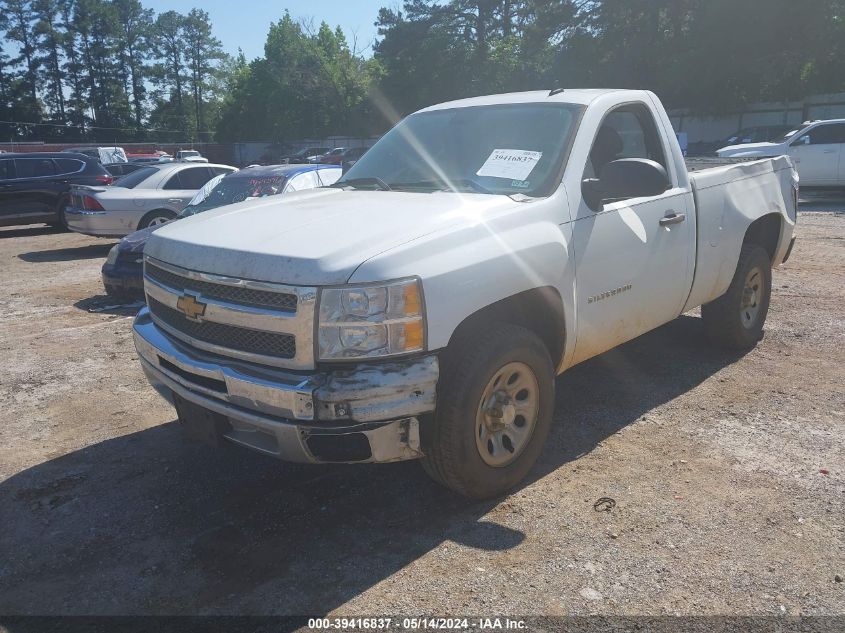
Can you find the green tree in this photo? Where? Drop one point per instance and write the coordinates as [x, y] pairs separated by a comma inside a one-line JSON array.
[[203, 54], [20, 21], [135, 23], [170, 72], [49, 44]]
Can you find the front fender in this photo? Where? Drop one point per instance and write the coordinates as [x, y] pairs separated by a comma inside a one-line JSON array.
[[481, 261]]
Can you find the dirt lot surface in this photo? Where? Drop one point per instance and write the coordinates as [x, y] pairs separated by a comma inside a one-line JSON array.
[[727, 471]]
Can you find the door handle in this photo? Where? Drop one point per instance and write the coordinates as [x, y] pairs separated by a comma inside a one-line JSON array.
[[830, 151], [672, 218], [175, 201]]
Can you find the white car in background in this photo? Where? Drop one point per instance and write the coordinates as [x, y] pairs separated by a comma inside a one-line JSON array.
[[106, 155], [190, 156], [817, 150], [147, 197]]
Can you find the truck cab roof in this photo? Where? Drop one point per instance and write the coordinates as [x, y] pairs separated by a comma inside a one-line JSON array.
[[576, 96]]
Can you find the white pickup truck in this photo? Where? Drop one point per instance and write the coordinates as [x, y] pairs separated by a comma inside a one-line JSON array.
[[422, 306]]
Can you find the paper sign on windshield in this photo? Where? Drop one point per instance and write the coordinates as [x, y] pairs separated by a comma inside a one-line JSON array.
[[514, 164]]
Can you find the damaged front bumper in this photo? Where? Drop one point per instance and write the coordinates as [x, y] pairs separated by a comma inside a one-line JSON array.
[[367, 413]]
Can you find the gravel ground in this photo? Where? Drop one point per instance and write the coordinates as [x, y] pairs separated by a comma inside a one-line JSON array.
[[727, 472]]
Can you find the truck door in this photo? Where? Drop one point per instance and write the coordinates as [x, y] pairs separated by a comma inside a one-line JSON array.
[[634, 259], [817, 154]]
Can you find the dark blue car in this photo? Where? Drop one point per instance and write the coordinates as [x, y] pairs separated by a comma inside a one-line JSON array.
[[123, 272]]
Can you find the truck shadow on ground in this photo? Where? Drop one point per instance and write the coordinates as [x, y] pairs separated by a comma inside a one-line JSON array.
[[104, 304], [151, 523], [91, 251], [822, 201], [30, 231]]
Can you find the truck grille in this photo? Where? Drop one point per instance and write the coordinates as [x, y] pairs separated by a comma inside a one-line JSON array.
[[221, 292], [231, 337], [255, 321]]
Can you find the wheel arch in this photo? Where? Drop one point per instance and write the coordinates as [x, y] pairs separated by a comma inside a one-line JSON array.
[[163, 210], [539, 310], [765, 231]]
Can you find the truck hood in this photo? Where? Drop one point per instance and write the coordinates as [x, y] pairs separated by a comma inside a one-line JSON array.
[[753, 149], [313, 238]]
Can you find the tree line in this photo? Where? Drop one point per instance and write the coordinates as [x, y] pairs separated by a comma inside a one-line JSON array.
[[99, 64], [107, 69]]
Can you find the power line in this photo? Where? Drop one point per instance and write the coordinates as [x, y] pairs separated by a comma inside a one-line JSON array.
[[100, 127]]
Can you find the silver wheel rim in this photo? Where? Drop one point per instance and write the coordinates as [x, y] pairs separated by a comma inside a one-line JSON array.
[[507, 414], [158, 220], [752, 298]]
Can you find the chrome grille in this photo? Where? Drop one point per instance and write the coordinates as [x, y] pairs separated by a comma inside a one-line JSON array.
[[234, 294], [262, 322], [237, 338]]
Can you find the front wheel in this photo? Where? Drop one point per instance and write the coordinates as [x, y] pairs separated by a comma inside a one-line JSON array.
[[735, 320], [494, 411], [156, 218]]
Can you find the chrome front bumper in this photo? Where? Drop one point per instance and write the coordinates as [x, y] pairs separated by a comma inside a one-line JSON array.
[[294, 416]]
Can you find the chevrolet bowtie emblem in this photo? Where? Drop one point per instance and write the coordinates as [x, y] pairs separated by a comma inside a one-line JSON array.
[[190, 307]]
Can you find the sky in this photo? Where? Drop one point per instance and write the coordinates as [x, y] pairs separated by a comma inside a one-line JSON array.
[[244, 23]]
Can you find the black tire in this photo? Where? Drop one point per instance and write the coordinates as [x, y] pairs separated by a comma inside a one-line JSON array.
[[452, 455], [154, 215], [61, 223], [121, 294], [726, 321]]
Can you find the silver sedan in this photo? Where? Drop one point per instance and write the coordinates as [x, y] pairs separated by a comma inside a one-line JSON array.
[[147, 197]]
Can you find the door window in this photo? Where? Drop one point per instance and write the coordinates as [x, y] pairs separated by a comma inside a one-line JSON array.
[[827, 134], [627, 132], [328, 176], [192, 179], [34, 167], [308, 180], [7, 169], [69, 165]]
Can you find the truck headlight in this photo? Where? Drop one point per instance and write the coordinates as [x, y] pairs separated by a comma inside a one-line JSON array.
[[367, 321]]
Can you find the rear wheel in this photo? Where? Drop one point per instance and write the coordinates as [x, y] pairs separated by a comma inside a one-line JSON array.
[[156, 218], [735, 320], [61, 223], [494, 411]]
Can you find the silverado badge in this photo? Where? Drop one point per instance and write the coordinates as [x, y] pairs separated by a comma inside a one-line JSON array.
[[190, 307]]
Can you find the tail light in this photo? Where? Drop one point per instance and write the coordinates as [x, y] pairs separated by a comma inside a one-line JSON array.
[[105, 179], [90, 203]]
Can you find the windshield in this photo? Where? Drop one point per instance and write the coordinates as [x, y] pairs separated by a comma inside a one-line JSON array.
[[130, 181], [235, 189], [501, 149]]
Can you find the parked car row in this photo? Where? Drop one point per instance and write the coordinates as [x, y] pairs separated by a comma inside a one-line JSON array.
[[123, 269], [325, 155]]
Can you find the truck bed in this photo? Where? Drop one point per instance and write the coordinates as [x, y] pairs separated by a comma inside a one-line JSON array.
[[708, 172], [727, 191], [699, 163]]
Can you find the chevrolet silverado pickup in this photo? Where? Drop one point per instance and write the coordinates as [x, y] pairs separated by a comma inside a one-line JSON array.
[[422, 306]]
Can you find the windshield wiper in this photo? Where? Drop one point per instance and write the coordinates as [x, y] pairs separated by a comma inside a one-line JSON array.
[[443, 185], [469, 182], [353, 182]]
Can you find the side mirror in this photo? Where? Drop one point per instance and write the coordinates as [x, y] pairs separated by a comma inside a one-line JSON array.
[[804, 140], [345, 165], [625, 178]]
